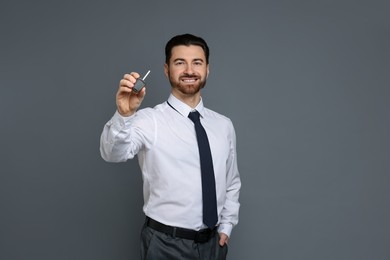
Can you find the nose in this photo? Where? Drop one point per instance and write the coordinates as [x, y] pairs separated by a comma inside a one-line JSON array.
[[189, 70]]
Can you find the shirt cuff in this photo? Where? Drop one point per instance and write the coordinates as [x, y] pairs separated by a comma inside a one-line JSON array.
[[120, 120], [225, 228]]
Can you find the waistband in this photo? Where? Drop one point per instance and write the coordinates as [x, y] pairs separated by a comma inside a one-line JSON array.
[[201, 236]]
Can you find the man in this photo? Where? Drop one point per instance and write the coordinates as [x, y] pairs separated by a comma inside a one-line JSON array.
[[171, 152]]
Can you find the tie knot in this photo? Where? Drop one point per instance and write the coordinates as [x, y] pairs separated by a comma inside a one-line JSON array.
[[194, 116]]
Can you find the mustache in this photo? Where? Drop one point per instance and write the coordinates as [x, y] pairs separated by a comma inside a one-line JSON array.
[[187, 75]]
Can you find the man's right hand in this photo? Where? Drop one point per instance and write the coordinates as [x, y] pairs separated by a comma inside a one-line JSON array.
[[127, 101]]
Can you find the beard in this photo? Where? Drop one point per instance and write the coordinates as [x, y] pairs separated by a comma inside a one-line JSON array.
[[187, 88]]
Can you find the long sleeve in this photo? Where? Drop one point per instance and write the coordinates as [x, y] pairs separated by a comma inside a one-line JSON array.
[[165, 143], [114, 140], [229, 214]]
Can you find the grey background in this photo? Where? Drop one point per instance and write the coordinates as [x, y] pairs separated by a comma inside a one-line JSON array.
[[306, 84]]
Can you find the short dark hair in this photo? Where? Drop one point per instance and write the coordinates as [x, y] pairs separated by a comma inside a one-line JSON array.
[[187, 40]]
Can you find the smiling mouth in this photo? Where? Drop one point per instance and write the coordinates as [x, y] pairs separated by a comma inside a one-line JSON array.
[[189, 80]]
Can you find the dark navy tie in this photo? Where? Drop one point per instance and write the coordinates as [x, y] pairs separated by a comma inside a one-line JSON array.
[[210, 216]]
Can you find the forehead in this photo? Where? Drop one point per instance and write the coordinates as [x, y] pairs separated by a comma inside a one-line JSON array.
[[190, 52]]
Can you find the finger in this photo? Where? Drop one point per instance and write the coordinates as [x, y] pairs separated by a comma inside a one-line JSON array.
[[122, 92], [135, 75], [142, 93], [124, 89], [126, 83], [132, 77], [129, 78], [223, 239]]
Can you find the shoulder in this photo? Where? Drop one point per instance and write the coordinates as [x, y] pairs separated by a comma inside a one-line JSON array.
[[217, 117], [150, 113], [213, 114]]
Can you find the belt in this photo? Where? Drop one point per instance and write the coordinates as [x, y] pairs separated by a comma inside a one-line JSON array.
[[201, 236]]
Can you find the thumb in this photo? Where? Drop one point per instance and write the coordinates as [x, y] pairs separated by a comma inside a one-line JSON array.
[[223, 239]]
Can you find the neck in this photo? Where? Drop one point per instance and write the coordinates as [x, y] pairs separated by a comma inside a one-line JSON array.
[[190, 100]]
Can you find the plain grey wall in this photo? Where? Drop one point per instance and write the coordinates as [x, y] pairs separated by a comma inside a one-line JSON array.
[[306, 84]]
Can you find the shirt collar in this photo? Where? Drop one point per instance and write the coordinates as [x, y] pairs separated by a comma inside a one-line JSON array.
[[183, 108]]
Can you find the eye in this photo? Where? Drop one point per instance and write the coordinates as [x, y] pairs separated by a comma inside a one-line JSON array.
[[198, 62], [178, 63]]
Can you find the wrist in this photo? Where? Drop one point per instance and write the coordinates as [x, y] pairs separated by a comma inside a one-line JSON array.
[[126, 113]]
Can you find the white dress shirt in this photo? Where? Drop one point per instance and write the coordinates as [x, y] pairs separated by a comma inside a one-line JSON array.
[[164, 139]]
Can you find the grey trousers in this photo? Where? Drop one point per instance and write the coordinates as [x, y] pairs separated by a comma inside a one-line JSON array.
[[159, 246]]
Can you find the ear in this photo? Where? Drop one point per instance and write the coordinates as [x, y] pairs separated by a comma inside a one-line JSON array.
[[208, 71], [166, 69]]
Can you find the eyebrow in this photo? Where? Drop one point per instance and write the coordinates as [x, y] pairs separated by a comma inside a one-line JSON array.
[[181, 59]]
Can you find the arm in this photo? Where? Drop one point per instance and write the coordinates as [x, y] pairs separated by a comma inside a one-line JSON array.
[[116, 135], [229, 214], [116, 140], [127, 101]]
